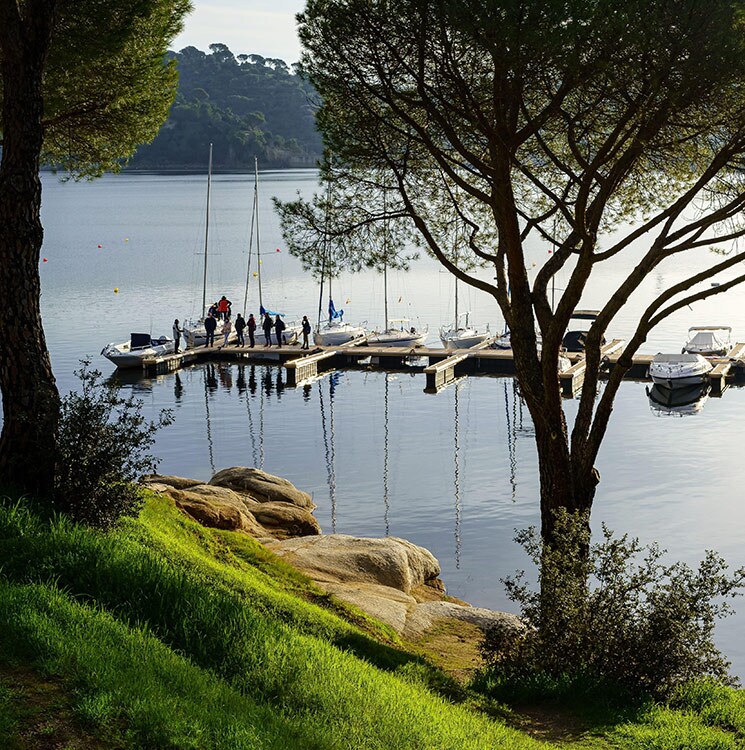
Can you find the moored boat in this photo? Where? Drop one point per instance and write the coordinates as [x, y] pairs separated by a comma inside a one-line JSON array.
[[140, 347], [399, 333], [709, 341], [679, 370], [462, 335]]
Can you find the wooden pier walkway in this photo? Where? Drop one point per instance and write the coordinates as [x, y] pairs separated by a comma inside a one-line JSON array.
[[440, 366]]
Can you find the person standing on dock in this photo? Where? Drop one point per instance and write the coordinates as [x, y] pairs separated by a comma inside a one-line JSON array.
[[240, 324], [226, 330], [251, 330], [279, 326], [267, 325], [177, 331], [223, 308], [306, 332], [210, 324]]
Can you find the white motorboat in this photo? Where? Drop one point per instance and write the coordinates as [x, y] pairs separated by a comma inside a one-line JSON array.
[[399, 333], [505, 341], [462, 335], [679, 370], [709, 341], [678, 402], [140, 347]]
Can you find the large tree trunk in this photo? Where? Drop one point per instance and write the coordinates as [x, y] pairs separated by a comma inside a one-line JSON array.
[[29, 393]]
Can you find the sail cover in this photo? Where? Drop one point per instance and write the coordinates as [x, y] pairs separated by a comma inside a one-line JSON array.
[[333, 312]]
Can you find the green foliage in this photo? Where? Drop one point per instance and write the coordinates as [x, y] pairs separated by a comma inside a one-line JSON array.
[[246, 107], [103, 447], [107, 85], [615, 614]]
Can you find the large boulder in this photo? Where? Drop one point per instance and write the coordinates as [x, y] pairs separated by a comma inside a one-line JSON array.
[[283, 519], [266, 488], [216, 507], [425, 615], [391, 562]]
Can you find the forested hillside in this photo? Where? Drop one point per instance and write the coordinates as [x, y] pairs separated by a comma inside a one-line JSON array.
[[245, 105]]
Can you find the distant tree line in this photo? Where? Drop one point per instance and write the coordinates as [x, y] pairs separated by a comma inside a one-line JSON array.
[[247, 106]]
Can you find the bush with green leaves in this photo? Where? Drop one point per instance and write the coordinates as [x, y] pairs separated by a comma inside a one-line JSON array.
[[611, 612], [104, 445]]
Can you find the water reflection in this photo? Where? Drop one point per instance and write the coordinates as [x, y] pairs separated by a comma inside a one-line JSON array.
[[386, 500], [456, 474], [210, 386], [327, 427], [678, 402]]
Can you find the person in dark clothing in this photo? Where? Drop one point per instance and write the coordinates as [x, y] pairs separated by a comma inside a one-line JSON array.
[[267, 325], [240, 324], [210, 324], [279, 326], [306, 332], [177, 331], [213, 310], [251, 330]]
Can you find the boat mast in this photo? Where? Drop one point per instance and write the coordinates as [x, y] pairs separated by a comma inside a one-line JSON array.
[[254, 221], [258, 242], [385, 264], [324, 252], [207, 233]]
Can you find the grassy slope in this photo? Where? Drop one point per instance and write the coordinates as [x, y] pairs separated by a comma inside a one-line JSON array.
[[165, 634]]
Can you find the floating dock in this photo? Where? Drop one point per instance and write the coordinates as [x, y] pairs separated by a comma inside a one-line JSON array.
[[440, 366]]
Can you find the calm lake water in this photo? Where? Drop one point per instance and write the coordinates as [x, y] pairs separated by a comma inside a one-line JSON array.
[[454, 472]]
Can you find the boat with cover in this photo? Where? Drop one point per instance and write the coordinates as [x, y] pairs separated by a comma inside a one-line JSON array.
[[679, 370], [678, 402], [141, 346], [335, 331], [710, 341], [575, 339]]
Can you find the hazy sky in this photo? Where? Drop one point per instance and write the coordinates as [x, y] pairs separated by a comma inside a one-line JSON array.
[[262, 27]]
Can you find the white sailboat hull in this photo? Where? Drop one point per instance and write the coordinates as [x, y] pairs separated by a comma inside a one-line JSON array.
[[397, 338], [336, 334], [462, 338]]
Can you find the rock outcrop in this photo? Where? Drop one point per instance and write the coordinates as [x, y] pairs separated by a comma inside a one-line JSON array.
[[391, 579], [262, 514]]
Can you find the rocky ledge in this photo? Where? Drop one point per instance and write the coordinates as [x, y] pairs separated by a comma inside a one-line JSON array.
[[393, 580]]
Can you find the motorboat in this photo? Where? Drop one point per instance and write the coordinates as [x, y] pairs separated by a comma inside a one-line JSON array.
[[709, 341], [141, 346], [679, 401], [462, 335], [575, 339], [399, 332], [679, 370]]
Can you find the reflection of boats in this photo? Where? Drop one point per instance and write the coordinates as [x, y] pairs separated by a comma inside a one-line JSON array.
[[140, 347], [574, 340], [678, 401], [328, 443], [679, 370], [710, 341]]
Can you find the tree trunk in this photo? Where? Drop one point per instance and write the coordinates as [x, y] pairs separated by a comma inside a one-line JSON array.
[[29, 392]]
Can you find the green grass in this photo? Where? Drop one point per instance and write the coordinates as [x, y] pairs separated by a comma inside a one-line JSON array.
[[183, 605], [164, 634]]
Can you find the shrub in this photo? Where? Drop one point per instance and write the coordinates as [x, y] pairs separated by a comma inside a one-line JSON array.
[[103, 447], [614, 612]]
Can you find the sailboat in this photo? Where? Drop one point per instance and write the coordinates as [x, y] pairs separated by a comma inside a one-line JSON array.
[[462, 335], [293, 329], [334, 331], [194, 331], [398, 331]]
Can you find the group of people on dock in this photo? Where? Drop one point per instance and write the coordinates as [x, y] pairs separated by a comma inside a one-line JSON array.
[[222, 311]]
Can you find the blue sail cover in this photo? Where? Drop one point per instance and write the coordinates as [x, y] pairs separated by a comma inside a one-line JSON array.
[[333, 312], [263, 311]]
